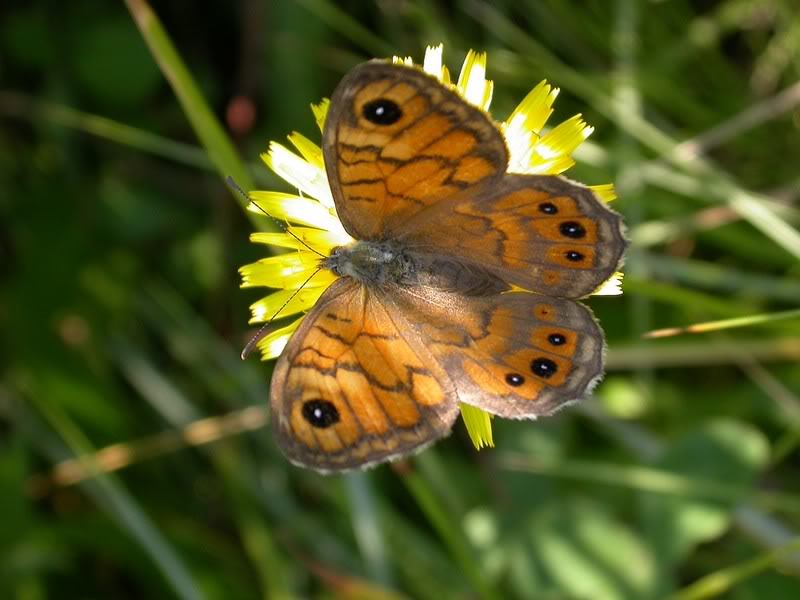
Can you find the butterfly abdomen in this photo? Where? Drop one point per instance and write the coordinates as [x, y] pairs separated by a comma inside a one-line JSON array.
[[458, 276]]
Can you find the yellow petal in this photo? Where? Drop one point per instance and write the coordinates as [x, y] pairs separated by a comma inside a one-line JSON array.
[[288, 302], [320, 112], [433, 61], [605, 191], [407, 61], [446, 76], [272, 344], [309, 179], [533, 112], [520, 144], [318, 239], [290, 207], [321, 240], [553, 166], [472, 83], [285, 271], [479, 425], [612, 287], [521, 133], [310, 151], [563, 139], [282, 240]]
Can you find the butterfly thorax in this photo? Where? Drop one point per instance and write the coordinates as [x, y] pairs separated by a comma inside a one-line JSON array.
[[373, 262], [380, 263]]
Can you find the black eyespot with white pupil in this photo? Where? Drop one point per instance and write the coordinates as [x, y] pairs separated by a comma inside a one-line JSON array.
[[573, 256], [548, 208], [543, 367], [515, 379], [556, 339], [320, 413], [382, 111], [571, 229]]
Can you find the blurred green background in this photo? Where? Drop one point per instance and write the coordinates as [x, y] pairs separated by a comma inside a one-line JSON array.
[[121, 318]]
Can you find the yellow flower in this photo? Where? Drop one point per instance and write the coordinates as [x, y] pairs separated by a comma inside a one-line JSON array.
[[313, 218]]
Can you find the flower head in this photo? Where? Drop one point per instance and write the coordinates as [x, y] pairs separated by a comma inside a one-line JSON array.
[[314, 228]]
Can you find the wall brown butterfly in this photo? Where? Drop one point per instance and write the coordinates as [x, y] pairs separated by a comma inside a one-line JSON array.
[[460, 286]]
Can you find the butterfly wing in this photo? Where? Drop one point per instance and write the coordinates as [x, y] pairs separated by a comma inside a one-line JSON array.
[[397, 141], [353, 388], [515, 355], [541, 233], [408, 158], [375, 372]]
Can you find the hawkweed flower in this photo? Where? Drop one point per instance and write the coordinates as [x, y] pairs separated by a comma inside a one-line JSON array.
[[311, 214]]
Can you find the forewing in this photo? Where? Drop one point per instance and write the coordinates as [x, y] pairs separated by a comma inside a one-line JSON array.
[[354, 388], [434, 145]]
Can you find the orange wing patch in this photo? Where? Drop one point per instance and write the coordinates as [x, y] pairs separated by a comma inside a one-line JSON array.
[[414, 139], [454, 145]]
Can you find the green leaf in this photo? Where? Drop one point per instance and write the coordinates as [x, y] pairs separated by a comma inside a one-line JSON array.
[[580, 549], [725, 451]]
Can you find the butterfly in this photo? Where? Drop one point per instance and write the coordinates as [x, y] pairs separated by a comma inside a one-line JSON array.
[[460, 285]]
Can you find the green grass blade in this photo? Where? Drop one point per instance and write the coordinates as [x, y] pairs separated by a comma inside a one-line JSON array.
[[110, 495], [32, 109], [747, 321], [450, 533]]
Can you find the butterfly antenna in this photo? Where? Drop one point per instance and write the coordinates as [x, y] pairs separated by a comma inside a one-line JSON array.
[[262, 330], [283, 226]]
